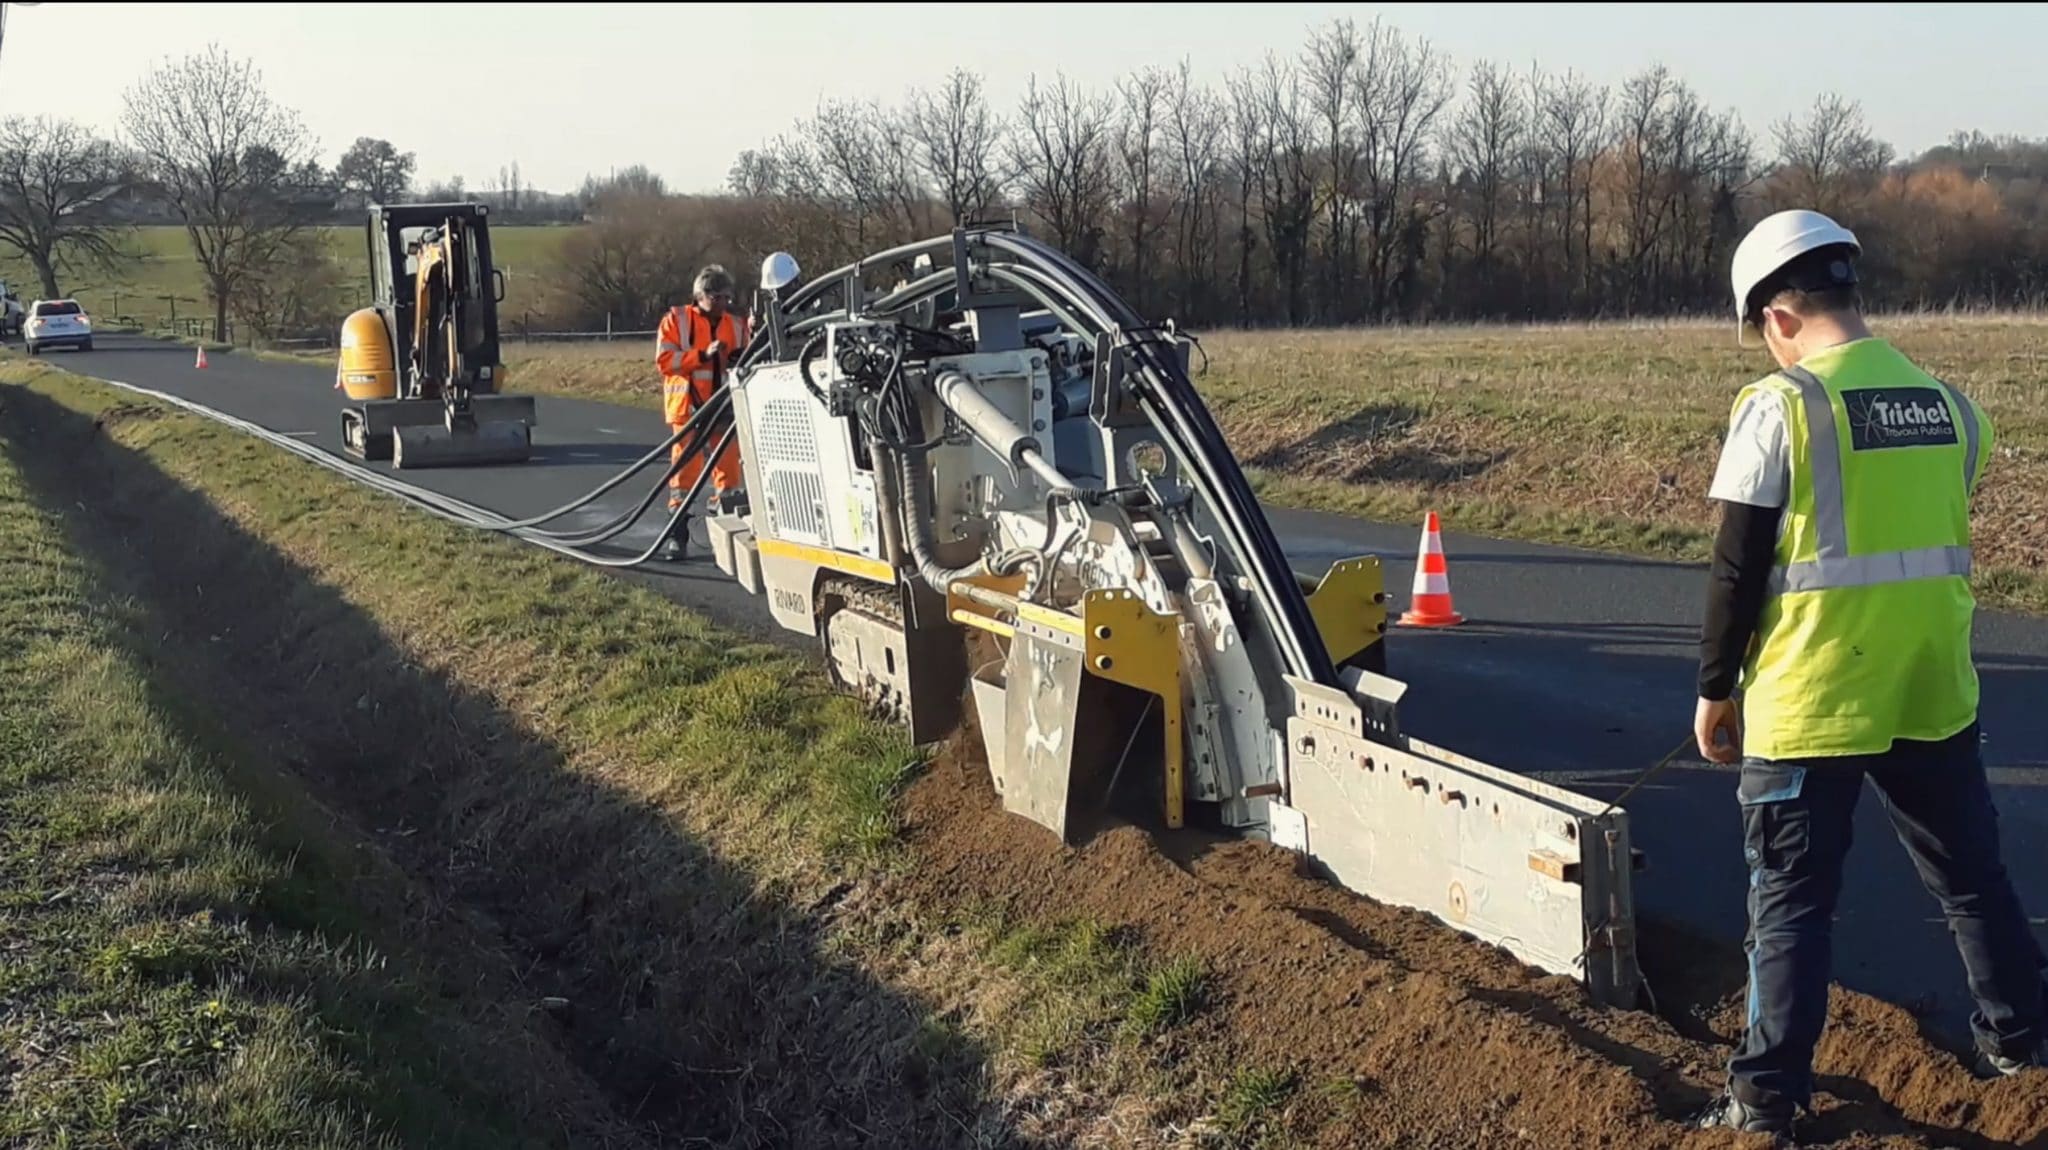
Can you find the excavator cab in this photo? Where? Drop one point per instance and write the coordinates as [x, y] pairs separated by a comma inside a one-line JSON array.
[[420, 365]]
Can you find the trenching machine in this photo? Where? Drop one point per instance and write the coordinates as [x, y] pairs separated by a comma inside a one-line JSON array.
[[991, 493], [995, 447]]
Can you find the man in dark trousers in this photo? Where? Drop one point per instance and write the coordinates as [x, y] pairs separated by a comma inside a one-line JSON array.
[[1840, 596]]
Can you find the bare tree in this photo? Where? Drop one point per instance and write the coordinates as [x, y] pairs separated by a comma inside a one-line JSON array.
[[1334, 67], [1571, 121], [55, 177], [841, 156], [225, 157], [1138, 148], [1195, 125], [1830, 156], [1484, 140], [1288, 179], [956, 133], [1399, 104], [1249, 158], [1061, 163]]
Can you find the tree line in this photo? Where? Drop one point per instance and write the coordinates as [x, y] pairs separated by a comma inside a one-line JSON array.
[[1363, 178]]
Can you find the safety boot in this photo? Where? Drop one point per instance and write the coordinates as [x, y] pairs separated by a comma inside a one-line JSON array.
[[1732, 1113], [1991, 1064]]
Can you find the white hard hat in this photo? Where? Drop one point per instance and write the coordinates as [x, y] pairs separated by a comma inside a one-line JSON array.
[[778, 271], [1777, 240]]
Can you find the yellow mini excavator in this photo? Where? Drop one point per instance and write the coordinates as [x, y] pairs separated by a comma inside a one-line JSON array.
[[420, 365]]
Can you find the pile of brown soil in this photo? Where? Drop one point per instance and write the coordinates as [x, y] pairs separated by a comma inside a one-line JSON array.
[[1451, 1042]]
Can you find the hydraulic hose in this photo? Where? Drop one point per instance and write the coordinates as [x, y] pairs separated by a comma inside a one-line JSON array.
[[1170, 401], [623, 522], [718, 402], [675, 517]]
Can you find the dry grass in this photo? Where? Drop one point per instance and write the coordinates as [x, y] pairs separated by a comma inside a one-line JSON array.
[[1600, 435]]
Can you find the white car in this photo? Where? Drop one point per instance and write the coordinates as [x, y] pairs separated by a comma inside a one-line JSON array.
[[57, 323]]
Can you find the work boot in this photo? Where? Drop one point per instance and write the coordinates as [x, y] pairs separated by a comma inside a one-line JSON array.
[[1994, 1065], [1735, 1114], [672, 550]]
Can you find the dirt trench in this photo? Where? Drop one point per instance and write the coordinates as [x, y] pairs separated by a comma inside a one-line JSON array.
[[1445, 1041]]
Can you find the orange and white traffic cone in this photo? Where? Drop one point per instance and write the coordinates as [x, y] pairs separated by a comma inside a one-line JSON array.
[[202, 358], [1430, 600]]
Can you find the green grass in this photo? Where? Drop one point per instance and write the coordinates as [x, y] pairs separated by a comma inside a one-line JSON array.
[[585, 804], [1251, 1106], [1090, 986], [177, 970], [159, 278]]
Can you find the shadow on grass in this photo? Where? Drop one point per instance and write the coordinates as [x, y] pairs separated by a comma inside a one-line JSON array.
[[1350, 449], [696, 997]]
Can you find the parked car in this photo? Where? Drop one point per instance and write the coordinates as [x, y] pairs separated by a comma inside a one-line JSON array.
[[57, 323]]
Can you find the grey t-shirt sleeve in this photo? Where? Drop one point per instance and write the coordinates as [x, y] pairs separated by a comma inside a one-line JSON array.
[[1756, 461]]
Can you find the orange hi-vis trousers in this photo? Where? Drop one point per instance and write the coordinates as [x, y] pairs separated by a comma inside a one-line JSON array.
[[688, 379]]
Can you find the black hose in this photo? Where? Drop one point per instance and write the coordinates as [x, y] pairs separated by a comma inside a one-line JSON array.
[[1169, 399], [676, 516], [1084, 301], [601, 489]]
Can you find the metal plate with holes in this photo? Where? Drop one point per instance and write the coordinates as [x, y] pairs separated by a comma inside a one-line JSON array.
[[1513, 862]]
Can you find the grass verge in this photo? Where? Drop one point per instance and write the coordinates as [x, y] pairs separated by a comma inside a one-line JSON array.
[[184, 963], [637, 856]]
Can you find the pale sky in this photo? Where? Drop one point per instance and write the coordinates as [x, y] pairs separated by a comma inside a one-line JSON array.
[[572, 90]]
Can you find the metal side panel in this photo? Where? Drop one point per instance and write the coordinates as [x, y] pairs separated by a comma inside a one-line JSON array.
[[790, 584], [747, 558], [725, 531], [1535, 870]]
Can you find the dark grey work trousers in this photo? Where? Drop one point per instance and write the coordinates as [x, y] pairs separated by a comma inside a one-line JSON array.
[[1797, 821]]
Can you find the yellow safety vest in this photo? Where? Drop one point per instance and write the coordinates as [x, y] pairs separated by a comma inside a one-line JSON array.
[[1865, 635]]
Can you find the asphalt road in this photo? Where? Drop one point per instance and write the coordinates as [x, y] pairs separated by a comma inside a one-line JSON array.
[[1575, 667]]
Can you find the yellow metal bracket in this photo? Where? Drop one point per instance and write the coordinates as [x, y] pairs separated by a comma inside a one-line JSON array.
[[1349, 606], [1130, 643]]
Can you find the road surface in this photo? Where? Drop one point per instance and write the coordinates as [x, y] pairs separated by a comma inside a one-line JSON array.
[[1575, 667]]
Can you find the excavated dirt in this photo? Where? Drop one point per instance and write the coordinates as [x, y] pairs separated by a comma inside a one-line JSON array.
[[1452, 1042]]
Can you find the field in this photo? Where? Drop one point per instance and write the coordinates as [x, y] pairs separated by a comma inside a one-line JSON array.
[[1601, 435], [160, 280], [497, 848]]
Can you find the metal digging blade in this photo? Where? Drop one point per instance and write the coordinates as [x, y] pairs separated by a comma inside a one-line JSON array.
[[1035, 720]]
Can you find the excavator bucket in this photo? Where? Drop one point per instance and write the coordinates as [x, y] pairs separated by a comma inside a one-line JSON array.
[[414, 433], [437, 446]]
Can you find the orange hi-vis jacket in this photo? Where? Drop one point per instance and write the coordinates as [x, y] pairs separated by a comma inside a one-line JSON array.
[[687, 375], [688, 378]]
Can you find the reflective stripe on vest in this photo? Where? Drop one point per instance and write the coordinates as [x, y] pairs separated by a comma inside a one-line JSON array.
[[1832, 565]]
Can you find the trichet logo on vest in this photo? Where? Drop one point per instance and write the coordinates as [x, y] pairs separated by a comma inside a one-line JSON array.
[[1898, 417]]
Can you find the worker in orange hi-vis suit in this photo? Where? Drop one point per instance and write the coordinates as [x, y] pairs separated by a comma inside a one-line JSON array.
[[696, 345]]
